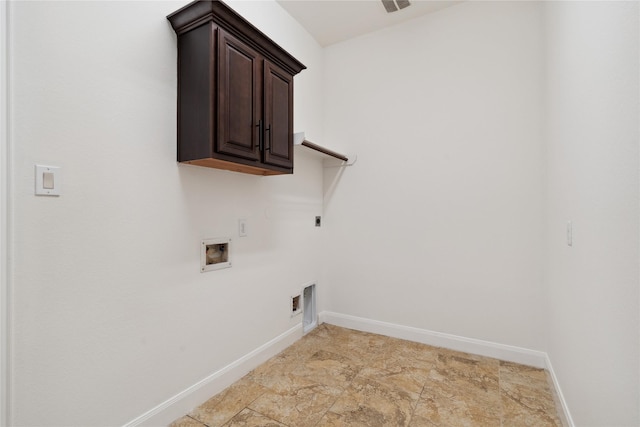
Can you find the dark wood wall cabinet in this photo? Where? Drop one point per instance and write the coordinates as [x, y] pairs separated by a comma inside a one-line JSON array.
[[235, 92]]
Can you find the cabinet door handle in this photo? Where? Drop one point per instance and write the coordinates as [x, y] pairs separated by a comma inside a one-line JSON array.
[[260, 135], [269, 146]]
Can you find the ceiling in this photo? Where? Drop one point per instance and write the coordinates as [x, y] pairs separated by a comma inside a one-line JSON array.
[[332, 21]]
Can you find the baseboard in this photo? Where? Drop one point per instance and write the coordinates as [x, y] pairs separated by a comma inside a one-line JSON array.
[[438, 339], [183, 402], [560, 402]]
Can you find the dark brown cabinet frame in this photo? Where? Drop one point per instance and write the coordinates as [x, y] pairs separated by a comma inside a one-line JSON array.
[[235, 92]]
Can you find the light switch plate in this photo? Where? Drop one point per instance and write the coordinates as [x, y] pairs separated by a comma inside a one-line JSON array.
[[48, 180]]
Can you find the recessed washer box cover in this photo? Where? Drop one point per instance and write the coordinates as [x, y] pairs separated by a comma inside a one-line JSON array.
[[215, 254]]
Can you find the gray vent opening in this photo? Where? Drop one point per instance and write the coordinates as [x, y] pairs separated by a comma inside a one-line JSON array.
[[394, 5]]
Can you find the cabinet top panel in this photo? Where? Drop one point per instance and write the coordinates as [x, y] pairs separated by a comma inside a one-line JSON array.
[[199, 13]]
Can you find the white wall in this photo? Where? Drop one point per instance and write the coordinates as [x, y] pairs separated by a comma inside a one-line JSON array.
[[111, 315], [592, 180], [4, 105], [439, 223]]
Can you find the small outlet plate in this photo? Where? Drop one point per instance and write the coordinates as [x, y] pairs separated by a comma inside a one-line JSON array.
[[215, 254], [296, 305], [318, 221], [242, 228]]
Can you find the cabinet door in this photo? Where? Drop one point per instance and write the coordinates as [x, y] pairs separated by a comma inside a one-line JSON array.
[[239, 98], [278, 113]]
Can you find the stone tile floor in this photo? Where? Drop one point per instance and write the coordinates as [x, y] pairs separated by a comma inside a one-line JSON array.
[[340, 377]]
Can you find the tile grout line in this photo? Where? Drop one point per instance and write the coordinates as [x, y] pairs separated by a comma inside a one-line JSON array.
[[258, 397], [198, 421], [266, 416], [413, 412], [338, 397], [303, 361]]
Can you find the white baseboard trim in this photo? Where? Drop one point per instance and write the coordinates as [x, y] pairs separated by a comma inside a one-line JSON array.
[[438, 339], [560, 403], [183, 402]]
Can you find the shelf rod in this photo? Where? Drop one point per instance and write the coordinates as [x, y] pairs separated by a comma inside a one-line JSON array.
[[324, 150]]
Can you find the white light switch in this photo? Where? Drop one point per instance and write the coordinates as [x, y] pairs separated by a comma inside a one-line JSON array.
[[48, 181]]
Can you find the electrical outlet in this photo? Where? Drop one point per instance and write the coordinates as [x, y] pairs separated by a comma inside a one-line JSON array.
[[296, 305], [318, 221]]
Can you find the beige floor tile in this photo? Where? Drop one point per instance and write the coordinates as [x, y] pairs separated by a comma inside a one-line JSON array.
[[302, 407], [335, 377], [328, 368], [304, 348], [221, 408], [277, 374], [286, 382], [411, 351], [523, 405], [452, 413], [523, 375], [249, 418], [186, 421], [368, 402], [402, 364], [356, 345], [467, 365], [462, 376], [462, 390], [406, 378], [331, 419]]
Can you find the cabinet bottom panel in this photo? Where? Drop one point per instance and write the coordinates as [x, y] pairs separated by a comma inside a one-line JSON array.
[[235, 167]]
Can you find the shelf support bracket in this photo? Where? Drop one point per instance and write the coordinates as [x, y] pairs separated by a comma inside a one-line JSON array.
[[299, 139]]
